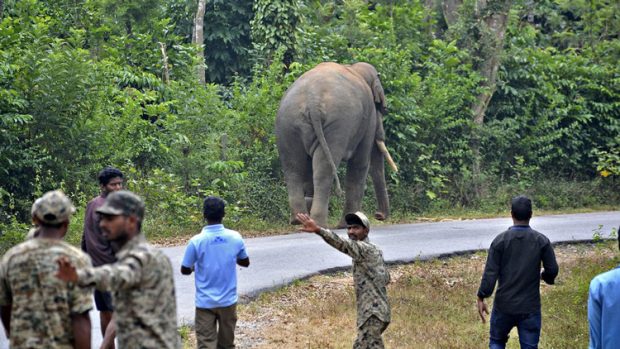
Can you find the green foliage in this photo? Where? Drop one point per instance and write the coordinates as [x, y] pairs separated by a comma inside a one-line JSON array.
[[553, 109], [608, 162], [82, 86], [227, 39], [273, 29]]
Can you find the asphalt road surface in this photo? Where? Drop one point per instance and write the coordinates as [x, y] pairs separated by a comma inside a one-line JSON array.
[[279, 260]]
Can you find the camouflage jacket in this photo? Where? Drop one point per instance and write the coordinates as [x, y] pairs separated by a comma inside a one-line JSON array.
[[142, 285], [369, 274], [42, 304]]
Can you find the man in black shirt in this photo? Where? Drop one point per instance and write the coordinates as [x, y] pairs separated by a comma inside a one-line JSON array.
[[514, 263]]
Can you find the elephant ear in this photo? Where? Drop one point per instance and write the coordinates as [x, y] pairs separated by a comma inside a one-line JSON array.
[[377, 91]]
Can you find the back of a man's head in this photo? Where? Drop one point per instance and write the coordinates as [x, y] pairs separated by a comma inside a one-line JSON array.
[[213, 209], [107, 174], [521, 208], [52, 209]]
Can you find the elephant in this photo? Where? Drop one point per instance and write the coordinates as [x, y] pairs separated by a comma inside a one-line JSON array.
[[333, 113]]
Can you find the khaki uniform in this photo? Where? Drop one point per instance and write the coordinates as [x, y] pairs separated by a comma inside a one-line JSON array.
[[142, 285], [371, 277], [42, 304]]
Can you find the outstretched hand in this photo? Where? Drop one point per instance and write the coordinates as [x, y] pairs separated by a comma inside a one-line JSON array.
[[482, 308], [66, 271], [309, 225]]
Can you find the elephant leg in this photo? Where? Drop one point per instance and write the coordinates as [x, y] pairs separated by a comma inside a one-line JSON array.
[[355, 185], [308, 186], [377, 173], [297, 175], [323, 179]]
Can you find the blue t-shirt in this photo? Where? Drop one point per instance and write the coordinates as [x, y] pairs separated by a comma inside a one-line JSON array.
[[213, 253], [604, 310]]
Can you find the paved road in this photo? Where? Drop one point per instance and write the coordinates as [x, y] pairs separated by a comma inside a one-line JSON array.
[[279, 260]]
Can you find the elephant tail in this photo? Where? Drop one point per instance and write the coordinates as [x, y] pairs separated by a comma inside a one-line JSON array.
[[318, 130]]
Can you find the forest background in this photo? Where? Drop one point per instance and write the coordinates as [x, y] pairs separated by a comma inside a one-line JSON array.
[[487, 99]]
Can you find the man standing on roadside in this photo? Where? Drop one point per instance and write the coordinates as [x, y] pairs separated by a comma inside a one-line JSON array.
[[369, 274], [99, 248], [513, 262], [604, 309], [38, 310], [213, 255], [141, 280]]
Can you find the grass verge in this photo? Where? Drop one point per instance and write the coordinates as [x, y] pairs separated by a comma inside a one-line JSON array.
[[433, 306]]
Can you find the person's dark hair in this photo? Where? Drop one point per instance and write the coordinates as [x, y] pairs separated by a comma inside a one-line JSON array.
[[521, 208], [106, 175], [213, 209]]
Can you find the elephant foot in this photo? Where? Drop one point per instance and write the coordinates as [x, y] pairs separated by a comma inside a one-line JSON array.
[[380, 216]]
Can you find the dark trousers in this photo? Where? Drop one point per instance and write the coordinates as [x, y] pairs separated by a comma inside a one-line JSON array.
[[528, 326], [215, 328]]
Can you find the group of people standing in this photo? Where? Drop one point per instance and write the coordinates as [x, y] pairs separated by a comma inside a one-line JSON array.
[[46, 284]]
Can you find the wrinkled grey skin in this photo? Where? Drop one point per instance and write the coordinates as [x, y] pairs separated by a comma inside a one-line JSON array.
[[332, 113]]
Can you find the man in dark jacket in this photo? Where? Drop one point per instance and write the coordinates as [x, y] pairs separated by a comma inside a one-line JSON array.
[[99, 248], [514, 263]]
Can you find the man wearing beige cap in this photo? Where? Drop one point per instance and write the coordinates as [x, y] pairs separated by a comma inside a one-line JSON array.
[[141, 281], [38, 310], [369, 275]]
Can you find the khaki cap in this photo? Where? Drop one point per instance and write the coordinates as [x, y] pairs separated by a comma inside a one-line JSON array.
[[53, 207], [357, 218], [123, 203]]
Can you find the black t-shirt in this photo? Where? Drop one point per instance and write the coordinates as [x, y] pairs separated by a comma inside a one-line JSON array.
[[514, 262]]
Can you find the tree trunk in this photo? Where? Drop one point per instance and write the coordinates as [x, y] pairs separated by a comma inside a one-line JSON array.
[[198, 39], [165, 75], [492, 17], [450, 11]]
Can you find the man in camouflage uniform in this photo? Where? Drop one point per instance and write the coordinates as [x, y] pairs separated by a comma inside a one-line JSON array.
[[141, 280], [38, 310], [369, 274]]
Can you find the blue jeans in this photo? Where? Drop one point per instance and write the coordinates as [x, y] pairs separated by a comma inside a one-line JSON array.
[[528, 326]]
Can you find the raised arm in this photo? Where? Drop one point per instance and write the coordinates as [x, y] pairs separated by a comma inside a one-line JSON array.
[[124, 274], [352, 248]]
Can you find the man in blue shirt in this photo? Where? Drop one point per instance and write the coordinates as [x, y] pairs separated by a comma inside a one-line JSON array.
[[213, 255], [604, 309]]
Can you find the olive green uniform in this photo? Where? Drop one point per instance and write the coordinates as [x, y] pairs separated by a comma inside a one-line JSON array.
[[42, 304], [142, 285], [371, 277]]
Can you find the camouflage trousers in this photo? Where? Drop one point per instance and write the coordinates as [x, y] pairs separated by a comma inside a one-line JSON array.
[[369, 334]]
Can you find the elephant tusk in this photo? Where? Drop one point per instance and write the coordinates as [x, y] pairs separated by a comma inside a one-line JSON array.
[[387, 155]]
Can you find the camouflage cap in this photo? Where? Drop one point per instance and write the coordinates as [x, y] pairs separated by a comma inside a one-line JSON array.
[[123, 203], [53, 207], [357, 218]]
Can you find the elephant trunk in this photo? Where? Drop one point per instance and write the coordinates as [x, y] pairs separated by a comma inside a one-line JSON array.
[[387, 155], [377, 173]]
